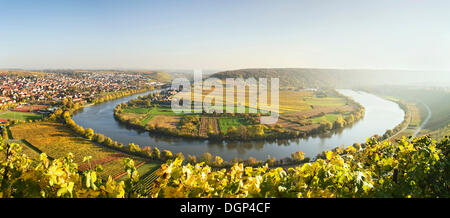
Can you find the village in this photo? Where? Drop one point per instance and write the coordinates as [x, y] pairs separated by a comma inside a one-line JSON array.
[[38, 94]]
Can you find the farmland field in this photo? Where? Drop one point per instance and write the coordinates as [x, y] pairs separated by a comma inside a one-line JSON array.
[[208, 124], [326, 101], [299, 111], [25, 116], [329, 117], [137, 110], [293, 101], [56, 140], [165, 121], [227, 122]]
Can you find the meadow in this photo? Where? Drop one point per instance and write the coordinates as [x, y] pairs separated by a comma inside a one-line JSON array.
[[329, 117], [227, 122], [25, 116]]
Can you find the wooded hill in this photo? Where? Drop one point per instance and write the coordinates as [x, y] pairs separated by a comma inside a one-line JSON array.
[[339, 78]]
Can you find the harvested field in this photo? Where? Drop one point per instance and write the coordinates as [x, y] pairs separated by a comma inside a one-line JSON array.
[[134, 115], [165, 121], [318, 110], [207, 124]]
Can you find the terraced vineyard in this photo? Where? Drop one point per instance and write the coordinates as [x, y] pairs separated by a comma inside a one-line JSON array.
[[145, 182]]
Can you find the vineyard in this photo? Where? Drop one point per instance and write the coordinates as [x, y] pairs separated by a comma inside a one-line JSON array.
[[145, 183], [417, 167]]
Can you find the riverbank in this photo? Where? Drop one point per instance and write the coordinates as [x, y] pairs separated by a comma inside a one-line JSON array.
[[319, 115], [380, 115]]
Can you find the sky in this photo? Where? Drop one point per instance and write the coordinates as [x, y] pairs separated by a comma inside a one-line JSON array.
[[225, 34]]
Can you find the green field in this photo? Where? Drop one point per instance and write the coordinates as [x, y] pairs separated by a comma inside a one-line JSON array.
[[159, 111], [227, 122], [329, 117], [26, 116], [138, 110]]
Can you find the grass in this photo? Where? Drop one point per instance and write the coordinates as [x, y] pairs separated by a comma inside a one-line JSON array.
[[26, 116], [292, 101], [329, 117], [326, 101], [138, 110], [161, 110], [227, 122]]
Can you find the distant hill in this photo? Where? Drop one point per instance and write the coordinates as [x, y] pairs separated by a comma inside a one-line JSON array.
[[339, 78], [155, 75], [159, 76]]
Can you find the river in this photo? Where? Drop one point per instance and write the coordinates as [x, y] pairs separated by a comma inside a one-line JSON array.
[[380, 115]]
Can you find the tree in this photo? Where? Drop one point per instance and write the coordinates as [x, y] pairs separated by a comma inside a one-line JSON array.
[[270, 160], [108, 142], [99, 138], [217, 161], [156, 154], [179, 155], [5, 133], [134, 148], [89, 133], [206, 157], [166, 155], [252, 161], [232, 132], [298, 156], [339, 123], [192, 159]]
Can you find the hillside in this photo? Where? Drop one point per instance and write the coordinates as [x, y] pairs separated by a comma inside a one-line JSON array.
[[159, 76], [339, 78]]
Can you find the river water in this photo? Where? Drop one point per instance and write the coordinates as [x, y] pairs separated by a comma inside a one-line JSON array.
[[380, 115]]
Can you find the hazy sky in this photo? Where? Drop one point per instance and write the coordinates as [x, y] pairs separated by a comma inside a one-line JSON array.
[[225, 34]]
